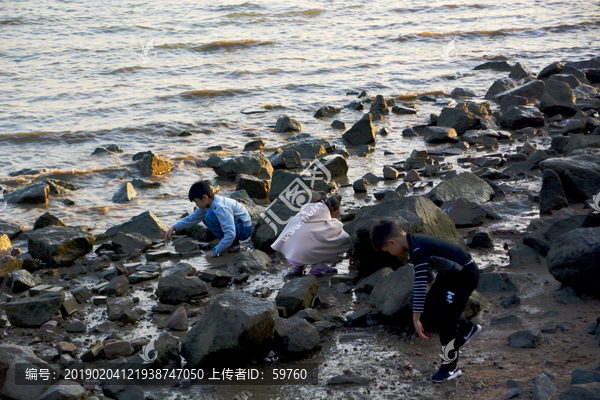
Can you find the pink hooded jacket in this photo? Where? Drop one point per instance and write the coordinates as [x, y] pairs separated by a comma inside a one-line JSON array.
[[312, 236]]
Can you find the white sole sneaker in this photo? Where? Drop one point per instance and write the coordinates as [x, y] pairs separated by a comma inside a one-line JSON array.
[[453, 375], [472, 335]]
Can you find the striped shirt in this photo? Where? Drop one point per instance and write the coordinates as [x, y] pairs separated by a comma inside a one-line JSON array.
[[420, 248]]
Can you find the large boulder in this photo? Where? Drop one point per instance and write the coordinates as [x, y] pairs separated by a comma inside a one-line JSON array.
[[573, 260], [255, 187], [552, 195], [128, 243], [236, 326], [22, 280], [465, 185], [501, 66], [151, 164], [175, 289], [283, 180], [458, 119], [64, 390], [518, 117], [576, 142], [392, 296], [297, 294], [579, 175], [543, 232], [308, 148], [145, 223], [336, 165], [439, 134], [362, 132], [11, 229], [36, 193], [286, 159], [33, 312], [287, 124], [295, 338], [45, 220], [12, 355], [558, 98], [252, 164], [60, 245], [532, 91], [466, 213], [250, 262]]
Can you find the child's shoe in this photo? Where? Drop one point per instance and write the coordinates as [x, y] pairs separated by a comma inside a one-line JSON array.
[[446, 372], [322, 269]]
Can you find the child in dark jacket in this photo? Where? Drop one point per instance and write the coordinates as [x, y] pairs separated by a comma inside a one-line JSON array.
[[440, 309]]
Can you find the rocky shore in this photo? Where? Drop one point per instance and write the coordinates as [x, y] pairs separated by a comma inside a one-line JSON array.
[[513, 176]]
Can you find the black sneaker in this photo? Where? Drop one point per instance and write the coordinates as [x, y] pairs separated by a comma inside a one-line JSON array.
[[466, 339], [445, 373]]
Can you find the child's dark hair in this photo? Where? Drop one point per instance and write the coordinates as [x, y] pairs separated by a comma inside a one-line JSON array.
[[382, 231], [331, 202], [199, 189]]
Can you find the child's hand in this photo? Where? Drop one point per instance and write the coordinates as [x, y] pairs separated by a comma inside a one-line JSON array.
[[419, 329], [168, 234], [210, 254]]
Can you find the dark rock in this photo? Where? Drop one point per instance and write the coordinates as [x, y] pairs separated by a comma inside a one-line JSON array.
[[466, 213], [68, 307], [439, 134], [360, 185], [117, 348], [355, 105], [178, 320], [508, 101], [566, 295], [558, 98], [177, 289], [283, 179], [579, 175], [153, 165], [358, 318], [185, 245], [543, 387], [310, 148], [60, 245], [23, 280], [295, 338], [286, 159], [336, 165], [75, 326], [327, 111], [572, 260], [124, 194], [255, 164], [297, 294], [462, 92], [36, 193], [365, 150], [576, 125], [569, 79], [250, 262], [522, 116], [286, 124], [512, 300], [500, 86], [10, 355], [10, 229], [587, 391], [255, 187], [526, 167], [64, 390], [348, 380], [552, 195], [392, 296], [379, 106], [81, 294], [145, 223], [235, 324], [554, 68], [122, 392], [559, 143], [476, 304], [45, 220], [254, 145], [221, 279], [482, 240], [412, 176], [465, 185], [128, 243], [501, 66], [403, 110], [519, 72], [338, 125], [458, 119], [362, 132], [580, 376], [33, 312], [390, 173], [501, 282], [506, 320], [532, 91], [525, 339], [116, 287], [325, 329]]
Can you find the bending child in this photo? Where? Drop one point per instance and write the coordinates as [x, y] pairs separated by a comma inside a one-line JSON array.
[[227, 219], [314, 236], [439, 310]]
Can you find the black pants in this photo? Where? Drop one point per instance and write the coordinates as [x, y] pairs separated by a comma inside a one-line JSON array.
[[446, 301]]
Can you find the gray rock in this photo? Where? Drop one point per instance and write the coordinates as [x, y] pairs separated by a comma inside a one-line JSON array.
[[142, 276], [526, 167], [458, 119], [177, 289], [558, 98], [10, 229], [255, 187], [60, 245], [360, 185], [10, 355], [142, 184], [128, 243], [501, 66], [121, 310], [325, 329], [465, 185], [500, 86], [461, 92], [145, 223], [153, 165], [178, 320], [362, 132], [543, 387], [286, 159], [64, 390], [569, 79], [336, 165], [573, 260], [255, 164], [36, 193], [392, 296], [554, 68], [327, 111], [338, 125], [525, 339], [509, 301], [286, 124], [116, 287], [167, 351], [33, 312], [519, 72], [185, 245], [235, 324], [482, 240], [439, 134], [587, 391], [75, 326], [511, 394], [309, 315], [466, 213], [297, 294], [552, 195], [518, 117], [268, 229], [532, 91], [365, 286], [390, 172], [295, 338], [23, 280], [124, 194], [81, 294], [580, 376], [254, 145], [309, 148], [358, 318], [403, 110], [251, 262], [283, 179], [475, 305], [501, 282], [45, 220], [577, 142], [512, 100], [348, 380]]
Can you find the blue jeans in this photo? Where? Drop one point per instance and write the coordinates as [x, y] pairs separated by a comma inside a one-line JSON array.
[[212, 223]]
